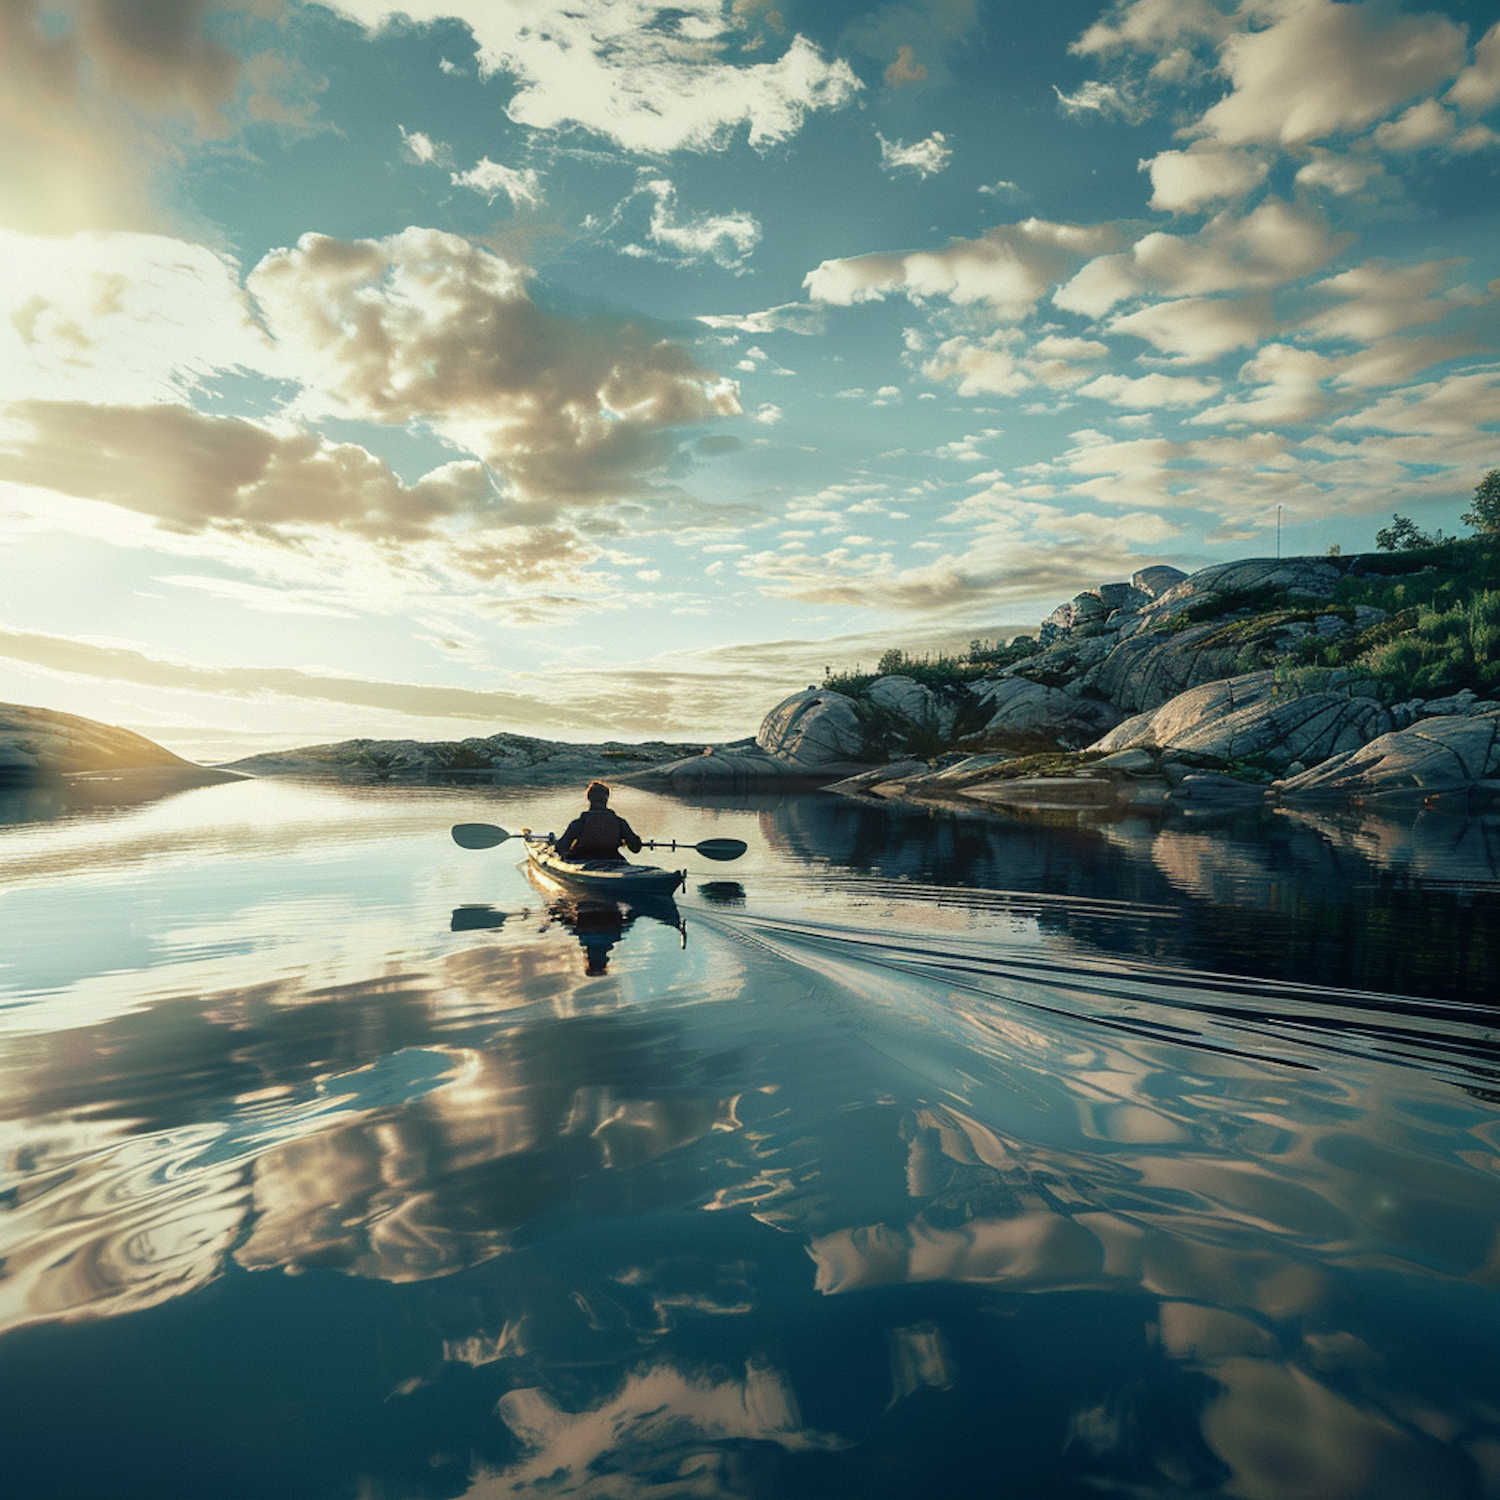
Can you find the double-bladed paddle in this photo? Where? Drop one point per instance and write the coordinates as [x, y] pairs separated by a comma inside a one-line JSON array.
[[487, 835]]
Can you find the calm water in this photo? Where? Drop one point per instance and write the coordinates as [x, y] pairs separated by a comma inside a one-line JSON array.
[[909, 1155]]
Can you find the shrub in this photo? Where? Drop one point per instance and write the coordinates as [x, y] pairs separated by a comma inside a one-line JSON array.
[[1484, 514]]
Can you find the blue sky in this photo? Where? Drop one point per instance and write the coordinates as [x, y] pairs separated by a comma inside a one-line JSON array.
[[609, 369]]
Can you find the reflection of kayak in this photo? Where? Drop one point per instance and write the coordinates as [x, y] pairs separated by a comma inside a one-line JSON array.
[[603, 876]]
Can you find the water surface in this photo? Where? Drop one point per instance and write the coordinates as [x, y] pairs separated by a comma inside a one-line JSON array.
[[911, 1155]]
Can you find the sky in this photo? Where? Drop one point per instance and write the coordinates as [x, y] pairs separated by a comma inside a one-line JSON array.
[[609, 369]]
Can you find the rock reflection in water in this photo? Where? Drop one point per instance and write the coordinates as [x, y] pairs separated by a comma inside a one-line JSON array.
[[1397, 902]]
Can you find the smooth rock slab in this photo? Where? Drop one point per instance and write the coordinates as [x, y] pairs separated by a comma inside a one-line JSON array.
[[1452, 753], [1241, 717], [817, 731], [1021, 707], [935, 712]]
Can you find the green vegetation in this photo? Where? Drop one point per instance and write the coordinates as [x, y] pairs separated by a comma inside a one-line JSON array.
[[935, 671], [1403, 535], [1441, 632], [1484, 514]]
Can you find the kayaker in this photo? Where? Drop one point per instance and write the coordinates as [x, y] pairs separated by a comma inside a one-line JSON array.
[[599, 832]]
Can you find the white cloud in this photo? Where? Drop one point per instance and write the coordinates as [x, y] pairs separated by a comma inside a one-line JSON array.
[[421, 148], [1010, 268], [1200, 328], [1339, 172], [1110, 100], [726, 239], [489, 179], [1152, 26], [1378, 298], [426, 327], [1423, 125], [1322, 68], [1003, 190], [1466, 405], [1288, 389], [925, 158], [790, 317], [1183, 181], [1149, 392], [1276, 242], [119, 317], [191, 471], [1477, 88], [650, 77]]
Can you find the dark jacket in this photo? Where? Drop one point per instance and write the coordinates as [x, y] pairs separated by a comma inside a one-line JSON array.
[[597, 834]]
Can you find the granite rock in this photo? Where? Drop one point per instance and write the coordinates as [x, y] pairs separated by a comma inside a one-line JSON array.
[[1245, 717], [1452, 753], [934, 712], [817, 731], [1020, 707]]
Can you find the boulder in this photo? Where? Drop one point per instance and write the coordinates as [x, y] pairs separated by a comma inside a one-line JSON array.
[[38, 742], [934, 712], [1121, 596], [747, 770], [1244, 717], [1082, 609], [1150, 667], [1302, 577], [816, 732], [1155, 581], [1452, 754], [1019, 707]]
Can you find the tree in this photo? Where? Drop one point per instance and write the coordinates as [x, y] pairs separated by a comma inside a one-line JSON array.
[[1402, 536], [1484, 515]]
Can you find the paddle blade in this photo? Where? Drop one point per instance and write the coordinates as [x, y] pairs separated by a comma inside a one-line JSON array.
[[721, 848], [479, 835]]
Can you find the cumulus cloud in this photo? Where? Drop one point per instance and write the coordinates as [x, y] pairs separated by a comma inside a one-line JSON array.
[[1322, 68], [1009, 268], [1276, 242], [1183, 181], [1149, 392], [1464, 405], [190, 471], [1477, 88], [1151, 26], [652, 78], [926, 158], [1379, 298], [489, 179], [726, 239], [426, 327], [1200, 328]]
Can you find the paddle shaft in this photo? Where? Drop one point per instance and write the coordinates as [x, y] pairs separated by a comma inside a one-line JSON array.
[[487, 836]]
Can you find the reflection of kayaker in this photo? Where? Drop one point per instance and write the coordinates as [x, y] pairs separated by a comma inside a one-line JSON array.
[[599, 924]]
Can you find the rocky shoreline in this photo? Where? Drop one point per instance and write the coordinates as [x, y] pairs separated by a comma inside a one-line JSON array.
[[1167, 693], [1136, 696]]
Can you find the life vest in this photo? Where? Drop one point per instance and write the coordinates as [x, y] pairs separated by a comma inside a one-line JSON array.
[[599, 836]]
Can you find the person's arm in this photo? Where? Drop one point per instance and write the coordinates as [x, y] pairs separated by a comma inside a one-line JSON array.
[[632, 839], [564, 845]]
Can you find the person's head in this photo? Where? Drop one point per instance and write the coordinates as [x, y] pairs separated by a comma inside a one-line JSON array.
[[598, 794]]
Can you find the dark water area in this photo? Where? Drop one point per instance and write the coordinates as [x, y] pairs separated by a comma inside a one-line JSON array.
[[913, 1154]]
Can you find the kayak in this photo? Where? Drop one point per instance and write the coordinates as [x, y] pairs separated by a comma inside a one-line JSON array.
[[603, 876]]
